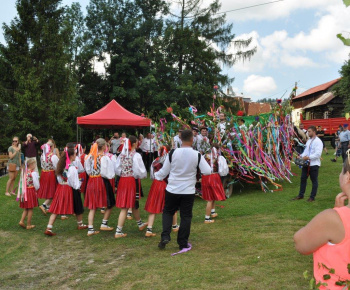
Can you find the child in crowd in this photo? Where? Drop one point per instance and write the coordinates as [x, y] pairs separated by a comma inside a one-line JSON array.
[[28, 198], [48, 181], [129, 167], [156, 196], [327, 237], [99, 193], [212, 189], [67, 199]]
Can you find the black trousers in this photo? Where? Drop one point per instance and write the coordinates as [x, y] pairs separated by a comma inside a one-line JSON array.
[[147, 158], [311, 171], [174, 202], [344, 148]]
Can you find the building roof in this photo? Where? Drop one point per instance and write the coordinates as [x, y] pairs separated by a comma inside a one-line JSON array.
[[316, 89], [252, 109], [324, 99]]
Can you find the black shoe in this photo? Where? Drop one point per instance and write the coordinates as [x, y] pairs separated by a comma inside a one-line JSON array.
[[162, 244], [298, 197], [333, 160], [311, 199]]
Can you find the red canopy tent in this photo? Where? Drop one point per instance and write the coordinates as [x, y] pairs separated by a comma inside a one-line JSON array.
[[111, 116]]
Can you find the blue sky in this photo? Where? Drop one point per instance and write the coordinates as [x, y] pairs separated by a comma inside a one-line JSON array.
[[296, 41]]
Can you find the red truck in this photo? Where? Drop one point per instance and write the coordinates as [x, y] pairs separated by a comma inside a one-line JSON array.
[[329, 126]]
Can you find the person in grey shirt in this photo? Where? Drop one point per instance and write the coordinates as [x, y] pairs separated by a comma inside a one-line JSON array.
[[344, 138], [115, 143]]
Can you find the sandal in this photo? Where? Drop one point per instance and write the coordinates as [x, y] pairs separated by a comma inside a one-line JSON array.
[[7, 194], [13, 193], [30, 227], [22, 225]]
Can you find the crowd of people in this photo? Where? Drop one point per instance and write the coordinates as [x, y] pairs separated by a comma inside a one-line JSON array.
[[110, 175]]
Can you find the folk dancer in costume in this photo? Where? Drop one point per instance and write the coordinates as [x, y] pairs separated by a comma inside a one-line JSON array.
[[129, 167], [212, 189], [67, 199], [203, 140], [180, 191], [48, 183], [99, 193], [55, 149], [79, 166], [113, 159], [156, 196], [28, 197], [83, 177]]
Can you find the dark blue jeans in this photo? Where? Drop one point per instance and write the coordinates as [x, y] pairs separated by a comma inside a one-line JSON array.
[[311, 171]]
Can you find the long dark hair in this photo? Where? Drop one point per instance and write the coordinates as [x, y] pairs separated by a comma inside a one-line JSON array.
[[62, 162]]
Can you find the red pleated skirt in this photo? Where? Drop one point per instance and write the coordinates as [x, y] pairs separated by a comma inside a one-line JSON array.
[[82, 176], [48, 184], [126, 192], [156, 197], [95, 195], [212, 188], [32, 199], [62, 202], [112, 181]]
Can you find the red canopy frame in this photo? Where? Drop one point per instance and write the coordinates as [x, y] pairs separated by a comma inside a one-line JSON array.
[[112, 115]]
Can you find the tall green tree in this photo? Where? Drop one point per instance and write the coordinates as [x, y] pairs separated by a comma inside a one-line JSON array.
[[123, 33], [342, 88], [44, 93]]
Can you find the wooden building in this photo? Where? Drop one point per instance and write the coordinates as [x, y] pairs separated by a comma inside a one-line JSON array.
[[319, 102]]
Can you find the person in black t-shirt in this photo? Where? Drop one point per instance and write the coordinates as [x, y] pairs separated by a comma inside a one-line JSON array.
[[320, 134]]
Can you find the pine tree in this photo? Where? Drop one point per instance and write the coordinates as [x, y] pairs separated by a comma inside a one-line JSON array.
[[44, 100], [197, 41]]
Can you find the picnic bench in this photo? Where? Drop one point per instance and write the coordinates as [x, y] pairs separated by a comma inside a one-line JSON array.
[[3, 163]]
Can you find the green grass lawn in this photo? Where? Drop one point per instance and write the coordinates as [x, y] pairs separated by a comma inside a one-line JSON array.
[[250, 246]]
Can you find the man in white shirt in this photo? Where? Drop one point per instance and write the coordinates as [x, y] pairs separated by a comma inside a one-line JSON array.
[[203, 140], [147, 151], [181, 165], [177, 140], [195, 137], [242, 125], [312, 153], [223, 124], [115, 143], [155, 145]]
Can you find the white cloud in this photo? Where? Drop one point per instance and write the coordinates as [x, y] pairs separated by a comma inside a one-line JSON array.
[[297, 51], [271, 53], [259, 85], [297, 61]]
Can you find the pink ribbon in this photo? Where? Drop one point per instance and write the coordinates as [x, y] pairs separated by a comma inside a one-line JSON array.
[[184, 250], [67, 158], [162, 126]]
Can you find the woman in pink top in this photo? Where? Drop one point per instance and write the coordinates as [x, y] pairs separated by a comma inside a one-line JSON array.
[[327, 237]]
